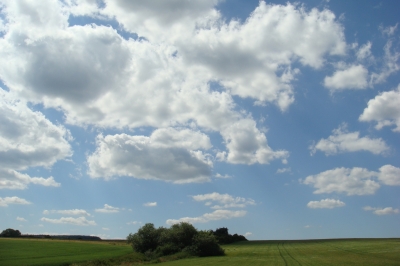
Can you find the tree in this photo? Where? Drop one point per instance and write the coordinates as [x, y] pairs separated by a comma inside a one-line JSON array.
[[146, 239], [182, 237], [205, 244], [10, 233]]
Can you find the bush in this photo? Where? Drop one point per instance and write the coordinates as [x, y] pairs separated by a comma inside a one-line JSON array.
[[205, 244]]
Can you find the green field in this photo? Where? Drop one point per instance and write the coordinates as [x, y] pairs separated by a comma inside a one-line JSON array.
[[312, 252], [21, 252]]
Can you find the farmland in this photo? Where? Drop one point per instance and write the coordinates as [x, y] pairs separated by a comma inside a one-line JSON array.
[[301, 252]]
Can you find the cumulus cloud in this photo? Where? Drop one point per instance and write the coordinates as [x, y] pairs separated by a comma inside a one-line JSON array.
[[152, 158], [4, 202], [75, 212], [344, 141], [382, 211], [384, 109], [355, 181], [325, 204], [225, 200], [354, 77], [247, 145], [216, 215], [150, 204], [389, 175], [108, 209], [28, 139], [21, 219], [81, 221]]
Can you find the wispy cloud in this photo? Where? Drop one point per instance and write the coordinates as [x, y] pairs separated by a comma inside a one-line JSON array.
[[4, 202], [382, 211], [108, 209], [150, 204], [81, 221]]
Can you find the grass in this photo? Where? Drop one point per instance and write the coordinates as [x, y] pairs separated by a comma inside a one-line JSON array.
[[302, 252], [21, 252], [312, 252]]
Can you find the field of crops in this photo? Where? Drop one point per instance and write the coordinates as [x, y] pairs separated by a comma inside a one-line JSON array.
[[313, 252]]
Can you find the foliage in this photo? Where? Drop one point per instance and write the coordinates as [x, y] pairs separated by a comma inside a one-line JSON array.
[[182, 237], [205, 244], [224, 237], [146, 239], [10, 233]]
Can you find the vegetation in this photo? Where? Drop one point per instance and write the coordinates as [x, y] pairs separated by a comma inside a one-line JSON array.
[[179, 238], [356, 252], [24, 251], [46, 252], [10, 233], [224, 237]]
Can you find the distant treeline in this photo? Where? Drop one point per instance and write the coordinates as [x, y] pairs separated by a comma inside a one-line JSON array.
[[16, 233]]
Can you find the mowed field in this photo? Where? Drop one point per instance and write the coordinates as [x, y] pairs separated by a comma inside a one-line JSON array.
[[305, 252]]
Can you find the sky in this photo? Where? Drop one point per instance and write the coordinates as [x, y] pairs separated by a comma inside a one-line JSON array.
[[275, 119]]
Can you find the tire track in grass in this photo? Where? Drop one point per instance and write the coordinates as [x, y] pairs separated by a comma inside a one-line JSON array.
[[280, 253], [287, 252]]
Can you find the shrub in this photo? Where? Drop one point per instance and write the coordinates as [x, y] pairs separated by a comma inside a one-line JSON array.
[[205, 244]]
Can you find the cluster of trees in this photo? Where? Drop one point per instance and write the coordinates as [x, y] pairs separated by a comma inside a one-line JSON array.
[[182, 237], [223, 237], [10, 233]]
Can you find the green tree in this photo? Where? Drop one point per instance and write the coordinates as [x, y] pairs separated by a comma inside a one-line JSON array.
[[146, 239], [205, 244], [10, 233]]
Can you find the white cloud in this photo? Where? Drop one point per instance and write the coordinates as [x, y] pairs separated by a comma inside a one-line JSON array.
[[216, 215], [382, 211], [384, 109], [226, 200], [389, 175], [108, 209], [11, 179], [355, 181], [283, 170], [82, 221], [28, 139], [21, 219], [133, 223], [390, 65], [325, 204], [4, 202], [75, 212], [247, 234], [141, 157], [218, 175], [247, 145], [354, 77], [389, 31], [344, 141], [150, 204], [365, 51]]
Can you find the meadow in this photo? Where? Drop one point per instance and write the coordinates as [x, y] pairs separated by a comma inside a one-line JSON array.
[[302, 252]]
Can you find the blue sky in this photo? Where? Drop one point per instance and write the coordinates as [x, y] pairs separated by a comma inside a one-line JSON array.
[[278, 120]]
